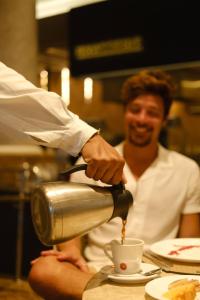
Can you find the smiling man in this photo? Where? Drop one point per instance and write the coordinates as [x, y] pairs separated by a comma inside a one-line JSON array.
[[165, 186], [144, 118], [146, 101]]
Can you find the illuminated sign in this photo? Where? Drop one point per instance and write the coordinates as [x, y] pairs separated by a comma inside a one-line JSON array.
[[109, 48]]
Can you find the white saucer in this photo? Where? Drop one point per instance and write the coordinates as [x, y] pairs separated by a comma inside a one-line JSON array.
[[135, 278]]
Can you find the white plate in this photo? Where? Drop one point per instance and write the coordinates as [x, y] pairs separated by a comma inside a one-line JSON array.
[[157, 287], [176, 249], [135, 278]]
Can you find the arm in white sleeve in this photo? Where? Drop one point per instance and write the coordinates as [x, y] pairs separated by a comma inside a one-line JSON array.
[[40, 115]]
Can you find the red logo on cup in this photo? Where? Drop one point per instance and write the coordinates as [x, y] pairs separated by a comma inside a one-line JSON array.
[[123, 266]]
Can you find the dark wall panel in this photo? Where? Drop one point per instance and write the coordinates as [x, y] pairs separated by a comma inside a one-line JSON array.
[[161, 32]]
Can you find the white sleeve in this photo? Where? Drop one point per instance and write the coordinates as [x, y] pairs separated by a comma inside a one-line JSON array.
[[38, 114]]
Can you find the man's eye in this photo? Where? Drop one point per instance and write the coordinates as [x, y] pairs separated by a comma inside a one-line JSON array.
[[134, 109], [154, 113]]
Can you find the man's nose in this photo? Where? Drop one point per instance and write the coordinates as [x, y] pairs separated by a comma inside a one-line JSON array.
[[142, 117]]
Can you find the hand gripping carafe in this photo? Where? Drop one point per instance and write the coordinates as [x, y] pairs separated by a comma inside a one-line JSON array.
[[64, 210]]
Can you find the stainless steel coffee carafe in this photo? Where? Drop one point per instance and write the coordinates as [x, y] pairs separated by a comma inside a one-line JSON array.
[[64, 210]]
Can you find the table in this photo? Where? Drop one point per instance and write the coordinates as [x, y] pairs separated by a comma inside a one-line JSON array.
[[102, 288]]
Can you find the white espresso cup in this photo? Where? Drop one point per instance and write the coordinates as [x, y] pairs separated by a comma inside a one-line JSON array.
[[126, 257]]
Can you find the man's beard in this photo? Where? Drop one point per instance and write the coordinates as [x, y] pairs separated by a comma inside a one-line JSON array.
[[135, 139]]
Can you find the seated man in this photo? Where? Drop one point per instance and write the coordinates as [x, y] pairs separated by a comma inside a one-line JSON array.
[[165, 187]]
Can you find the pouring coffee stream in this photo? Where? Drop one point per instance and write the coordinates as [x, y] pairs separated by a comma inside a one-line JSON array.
[[123, 232], [64, 210]]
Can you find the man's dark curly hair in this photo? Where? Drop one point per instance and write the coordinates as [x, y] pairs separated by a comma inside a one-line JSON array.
[[149, 82]]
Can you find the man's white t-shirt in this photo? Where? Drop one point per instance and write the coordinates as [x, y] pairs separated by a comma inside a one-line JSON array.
[[168, 188]]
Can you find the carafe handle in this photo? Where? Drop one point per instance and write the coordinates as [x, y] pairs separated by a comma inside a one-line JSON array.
[[81, 167], [74, 168]]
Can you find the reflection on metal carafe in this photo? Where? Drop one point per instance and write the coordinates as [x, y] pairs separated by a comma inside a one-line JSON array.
[[64, 210]]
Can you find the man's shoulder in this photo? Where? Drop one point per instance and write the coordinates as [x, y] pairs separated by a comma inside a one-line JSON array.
[[179, 159]]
